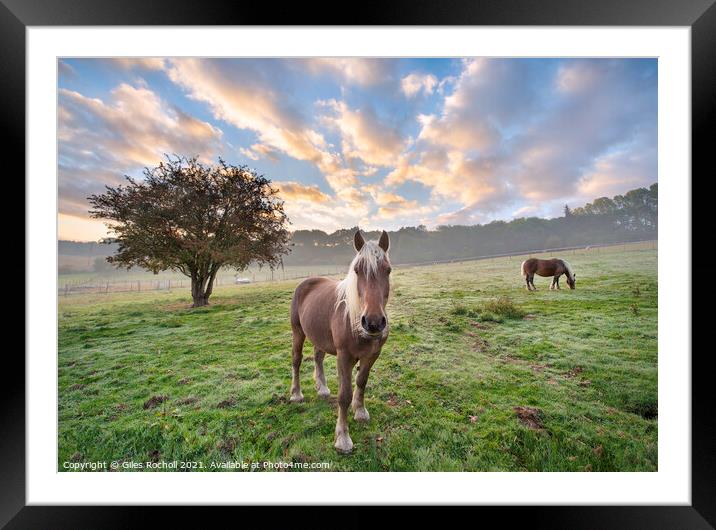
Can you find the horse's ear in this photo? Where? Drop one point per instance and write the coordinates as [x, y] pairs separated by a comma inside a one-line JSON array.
[[358, 241], [384, 241]]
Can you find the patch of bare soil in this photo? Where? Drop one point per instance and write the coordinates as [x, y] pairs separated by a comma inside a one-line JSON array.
[[226, 404], [530, 416], [479, 325], [538, 367], [528, 317], [154, 401], [118, 408], [190, 400], [155, 456], [574, 372], [393, 400], [479, 343], [183, 381]]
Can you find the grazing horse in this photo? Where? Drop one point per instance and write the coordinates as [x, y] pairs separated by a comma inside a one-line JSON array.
[[347, 319], [547, 267]]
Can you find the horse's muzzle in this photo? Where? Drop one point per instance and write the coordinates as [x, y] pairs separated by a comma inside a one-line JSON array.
[[373, 324]]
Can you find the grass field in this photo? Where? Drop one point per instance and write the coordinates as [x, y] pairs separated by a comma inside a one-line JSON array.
[[477, 375]]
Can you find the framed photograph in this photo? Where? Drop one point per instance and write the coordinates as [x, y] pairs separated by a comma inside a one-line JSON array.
[[427, 256]]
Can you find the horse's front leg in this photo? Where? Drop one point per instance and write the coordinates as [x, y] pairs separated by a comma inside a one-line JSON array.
[[344, 363], [361, 414]]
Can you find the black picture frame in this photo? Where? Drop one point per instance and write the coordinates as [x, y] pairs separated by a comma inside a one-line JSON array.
[[699, 15]]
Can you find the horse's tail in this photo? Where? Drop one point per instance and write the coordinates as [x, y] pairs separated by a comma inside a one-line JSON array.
[[522, 268]]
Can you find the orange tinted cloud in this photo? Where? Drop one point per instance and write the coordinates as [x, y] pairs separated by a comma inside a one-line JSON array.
[[295, 191]]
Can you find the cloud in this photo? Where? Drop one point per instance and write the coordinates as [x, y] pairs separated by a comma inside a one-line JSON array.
[[100, 140], [488, 96], [509, 134], [244, 96], [258, 151], [615, 172], [602, 107], [456, 131], [414, 83], [468, 215], [353, 70], [450, 175], [144, 63], [363, 134], [65, 69], [80, 228], [294, 191], [391, 206]]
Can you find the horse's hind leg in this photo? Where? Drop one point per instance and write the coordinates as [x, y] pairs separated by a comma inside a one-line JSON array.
[[318, 374], [297, 356], [531, 281]]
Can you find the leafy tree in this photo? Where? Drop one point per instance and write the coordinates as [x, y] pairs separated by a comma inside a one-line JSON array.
[[195, 219]]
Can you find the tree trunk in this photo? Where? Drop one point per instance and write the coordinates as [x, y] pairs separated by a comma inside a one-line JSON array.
[[202, 285], [198, 292]]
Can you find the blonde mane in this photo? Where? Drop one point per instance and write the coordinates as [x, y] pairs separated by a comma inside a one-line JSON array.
[[368, 259], [569, 270]]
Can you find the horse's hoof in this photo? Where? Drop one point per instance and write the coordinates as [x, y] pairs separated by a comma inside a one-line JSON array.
[[344, 444], [296, 398], [324, 393], [362, 415]]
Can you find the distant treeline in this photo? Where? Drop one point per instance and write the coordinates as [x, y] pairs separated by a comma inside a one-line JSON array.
[[628, 217]]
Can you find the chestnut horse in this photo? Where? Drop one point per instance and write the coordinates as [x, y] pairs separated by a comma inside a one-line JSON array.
[[346, 319], [547, 267]]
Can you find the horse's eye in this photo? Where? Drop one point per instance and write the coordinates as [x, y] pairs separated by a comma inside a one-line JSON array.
[[389, 270]]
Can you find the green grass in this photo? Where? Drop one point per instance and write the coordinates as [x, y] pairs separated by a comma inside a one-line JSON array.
[[468, 344]]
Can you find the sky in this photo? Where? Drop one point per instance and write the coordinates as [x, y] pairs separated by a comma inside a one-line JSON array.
[[375, 143]]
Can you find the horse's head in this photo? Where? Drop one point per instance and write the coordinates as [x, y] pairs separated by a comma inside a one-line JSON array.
[[372, 269], [572, 280]]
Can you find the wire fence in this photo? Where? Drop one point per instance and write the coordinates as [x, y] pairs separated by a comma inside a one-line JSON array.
[[106, 286]]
